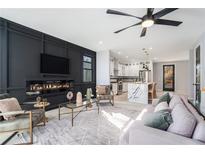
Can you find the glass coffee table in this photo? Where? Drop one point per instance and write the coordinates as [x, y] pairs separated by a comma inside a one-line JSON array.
[[81, 108]]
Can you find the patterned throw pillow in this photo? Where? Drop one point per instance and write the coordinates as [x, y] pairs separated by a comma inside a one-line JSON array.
[[160, 120], [164, 98]]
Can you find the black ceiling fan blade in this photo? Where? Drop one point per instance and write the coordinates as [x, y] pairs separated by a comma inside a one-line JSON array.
[[163, 12], [167, 22], [128, 27], [109, 11], [150, 12], [143, 32]]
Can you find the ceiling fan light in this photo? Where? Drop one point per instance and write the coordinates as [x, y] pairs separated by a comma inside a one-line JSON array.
[[147, 23]]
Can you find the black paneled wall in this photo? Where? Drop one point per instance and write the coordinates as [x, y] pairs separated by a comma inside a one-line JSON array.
[[20, 49]]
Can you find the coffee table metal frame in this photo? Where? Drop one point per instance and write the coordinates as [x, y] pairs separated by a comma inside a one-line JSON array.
[[73, 105]]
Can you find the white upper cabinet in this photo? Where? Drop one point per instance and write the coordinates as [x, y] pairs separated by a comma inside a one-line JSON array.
[[120, 69], [131, 70]]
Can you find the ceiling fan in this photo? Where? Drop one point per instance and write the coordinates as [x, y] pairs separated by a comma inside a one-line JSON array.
[[148, 19]]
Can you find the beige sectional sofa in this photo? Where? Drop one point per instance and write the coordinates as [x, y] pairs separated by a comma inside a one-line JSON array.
[[188, 126]]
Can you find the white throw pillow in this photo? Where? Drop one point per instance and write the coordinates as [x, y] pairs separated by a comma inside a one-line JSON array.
[[183, 121], [162, 106], [174, 101]]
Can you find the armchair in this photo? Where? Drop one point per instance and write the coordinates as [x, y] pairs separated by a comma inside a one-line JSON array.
[[22, 121], [103, 92]]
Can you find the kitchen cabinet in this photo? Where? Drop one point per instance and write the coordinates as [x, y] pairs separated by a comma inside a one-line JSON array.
[[124, 86], [121, 69], [131, 70]]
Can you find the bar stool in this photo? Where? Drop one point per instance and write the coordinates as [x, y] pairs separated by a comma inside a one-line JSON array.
[[152, 91]]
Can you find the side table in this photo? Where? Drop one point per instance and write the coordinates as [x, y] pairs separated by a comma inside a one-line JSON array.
[[42, 105]]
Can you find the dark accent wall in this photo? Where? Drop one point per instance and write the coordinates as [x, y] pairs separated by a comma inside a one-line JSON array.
[[20, 49]]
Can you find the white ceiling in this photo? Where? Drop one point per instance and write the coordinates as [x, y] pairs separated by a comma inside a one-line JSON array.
[[87, 27]]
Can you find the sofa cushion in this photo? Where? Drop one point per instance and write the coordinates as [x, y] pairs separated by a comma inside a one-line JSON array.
[[199, 117], [174, 101], [160, 120], [199, 132], [9, 104], [164, 98], [162, 106], [183, 121]]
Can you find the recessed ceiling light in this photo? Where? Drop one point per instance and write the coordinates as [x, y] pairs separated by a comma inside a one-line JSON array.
[[119, 53], [150, 48], [100, 42], [126, 56]]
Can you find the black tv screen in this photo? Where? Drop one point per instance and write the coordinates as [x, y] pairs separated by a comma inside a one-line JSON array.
[[54, 65]]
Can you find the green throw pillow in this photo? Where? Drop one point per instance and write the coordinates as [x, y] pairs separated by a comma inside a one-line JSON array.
[[160, 120], [164, 98]]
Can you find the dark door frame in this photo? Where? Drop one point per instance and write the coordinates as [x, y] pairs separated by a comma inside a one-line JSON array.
[[169, 89]]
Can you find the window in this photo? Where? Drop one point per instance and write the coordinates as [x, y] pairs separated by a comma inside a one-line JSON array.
[[87, 69]]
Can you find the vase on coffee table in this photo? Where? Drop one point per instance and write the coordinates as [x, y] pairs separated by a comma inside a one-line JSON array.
[[89, 96]]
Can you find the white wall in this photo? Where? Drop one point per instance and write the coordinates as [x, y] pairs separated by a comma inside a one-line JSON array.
[[103, 68], [181, 76]]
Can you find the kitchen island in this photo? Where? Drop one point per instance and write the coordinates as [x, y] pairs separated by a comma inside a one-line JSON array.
[[138, 92]]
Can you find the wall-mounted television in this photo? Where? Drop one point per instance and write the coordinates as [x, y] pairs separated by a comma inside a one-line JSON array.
[[54, 65]]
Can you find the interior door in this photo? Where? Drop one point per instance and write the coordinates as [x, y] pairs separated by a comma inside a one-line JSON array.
[[197, 76]]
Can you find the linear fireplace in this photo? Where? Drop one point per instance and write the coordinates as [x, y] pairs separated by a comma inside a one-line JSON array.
[[48, 86]]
